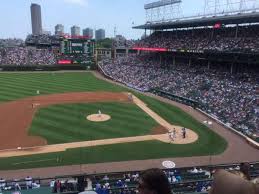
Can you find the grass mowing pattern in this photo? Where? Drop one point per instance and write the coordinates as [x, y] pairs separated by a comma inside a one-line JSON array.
[[68, 123], [14, 86], [102, 154], [209, 142]]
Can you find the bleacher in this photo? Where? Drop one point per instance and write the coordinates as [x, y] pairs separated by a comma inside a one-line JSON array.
[[185, 181]]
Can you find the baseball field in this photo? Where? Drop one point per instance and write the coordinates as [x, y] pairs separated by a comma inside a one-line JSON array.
[[44, 122]]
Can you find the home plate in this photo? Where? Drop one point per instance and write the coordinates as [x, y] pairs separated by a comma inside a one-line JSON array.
[[168, 164]]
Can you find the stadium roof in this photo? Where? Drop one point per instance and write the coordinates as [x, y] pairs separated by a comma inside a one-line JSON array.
[[240, 18]]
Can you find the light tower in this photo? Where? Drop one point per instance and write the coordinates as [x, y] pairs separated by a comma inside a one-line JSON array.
[[219, 7], [211, 7], [164, 10]]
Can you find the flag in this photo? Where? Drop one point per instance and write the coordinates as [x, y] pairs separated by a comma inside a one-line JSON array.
[[217, 25]]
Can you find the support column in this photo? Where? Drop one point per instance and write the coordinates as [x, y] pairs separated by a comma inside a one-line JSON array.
[[190, 62], [160, 60], [212, 33], [236, 36], [174, 61], [231, 69]]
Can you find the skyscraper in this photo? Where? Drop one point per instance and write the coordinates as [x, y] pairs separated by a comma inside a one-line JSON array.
[[36, 22], [59, 29], [88, 32], [100, 34], [75, 31]]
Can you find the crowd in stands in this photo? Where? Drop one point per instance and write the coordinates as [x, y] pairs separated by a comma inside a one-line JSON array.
[[225, 39], [17, 185], [229, 97], [177, 180], [63, 186], [20, 56], [43, 39], [120, 41], [11, 42]]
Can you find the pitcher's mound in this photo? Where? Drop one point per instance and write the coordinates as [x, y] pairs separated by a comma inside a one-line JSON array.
[[98, 118]]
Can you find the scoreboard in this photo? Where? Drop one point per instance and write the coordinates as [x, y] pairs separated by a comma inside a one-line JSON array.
[[80, 49], [77, 46]]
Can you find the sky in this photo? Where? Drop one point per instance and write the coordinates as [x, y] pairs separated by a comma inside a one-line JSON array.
[[15, 16]]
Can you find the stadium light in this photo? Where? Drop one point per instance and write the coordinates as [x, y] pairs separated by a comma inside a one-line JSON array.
[[161, 4]]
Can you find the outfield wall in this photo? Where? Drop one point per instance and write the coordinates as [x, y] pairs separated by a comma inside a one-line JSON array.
[[42, 68]]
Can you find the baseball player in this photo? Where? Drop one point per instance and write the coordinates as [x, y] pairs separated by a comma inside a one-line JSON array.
[[130, 97], [99, 113], [184, 132]]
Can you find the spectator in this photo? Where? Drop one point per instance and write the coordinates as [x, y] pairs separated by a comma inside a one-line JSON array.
[[21, 56], [154, 181], [28, 180], [16, 184], [119, 183], [105, 178], [230, 98], [58, 186], [222, 40], [228, 183], [2, 184], [34, 185], [244, 168], [194, 170]]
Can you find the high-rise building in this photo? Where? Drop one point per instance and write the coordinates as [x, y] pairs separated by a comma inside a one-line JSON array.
[[75, 31], [100, 34], [88, 32], [59, 29], [46, 32], [36, 22]]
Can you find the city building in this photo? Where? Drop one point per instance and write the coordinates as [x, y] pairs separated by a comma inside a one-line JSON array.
[[75, 31], [59, 29], [36, 19], [88, 32], [103, 53], [46, 32], [100, 34]]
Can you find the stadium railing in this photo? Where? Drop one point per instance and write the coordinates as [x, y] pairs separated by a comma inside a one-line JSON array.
[[184, 186], [176, 98]]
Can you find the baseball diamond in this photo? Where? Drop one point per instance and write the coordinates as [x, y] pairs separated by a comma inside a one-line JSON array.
[[124, 100], [53, 124]]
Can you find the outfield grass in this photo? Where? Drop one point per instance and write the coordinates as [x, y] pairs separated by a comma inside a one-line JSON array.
[[68, 123], [15, 86]]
